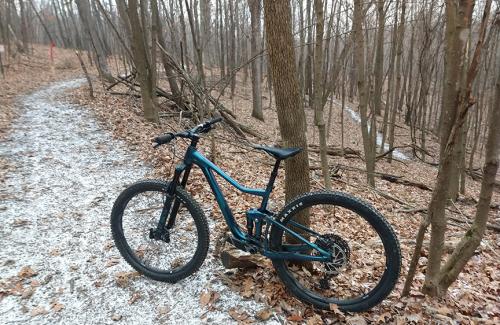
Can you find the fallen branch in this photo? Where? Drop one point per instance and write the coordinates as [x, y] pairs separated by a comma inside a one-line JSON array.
[[204, 95], [466, 219]]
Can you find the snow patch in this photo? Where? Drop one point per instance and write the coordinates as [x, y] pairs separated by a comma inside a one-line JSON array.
[[396, 153], [55, 206]]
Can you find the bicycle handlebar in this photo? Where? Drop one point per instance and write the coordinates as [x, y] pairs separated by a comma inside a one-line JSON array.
[[189, 134]]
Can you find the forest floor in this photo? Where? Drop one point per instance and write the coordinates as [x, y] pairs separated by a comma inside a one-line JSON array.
[[242, 295]]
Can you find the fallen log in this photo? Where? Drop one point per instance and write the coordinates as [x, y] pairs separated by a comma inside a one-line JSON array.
[[336, 151], [400, 180], [387, 177]]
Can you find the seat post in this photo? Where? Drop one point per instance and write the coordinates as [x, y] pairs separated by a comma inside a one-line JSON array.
[[270, 184]]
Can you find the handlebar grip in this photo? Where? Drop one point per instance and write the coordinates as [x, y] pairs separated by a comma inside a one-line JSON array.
[[163, 139]]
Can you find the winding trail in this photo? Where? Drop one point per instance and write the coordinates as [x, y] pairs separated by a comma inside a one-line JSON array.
[[54, 212]]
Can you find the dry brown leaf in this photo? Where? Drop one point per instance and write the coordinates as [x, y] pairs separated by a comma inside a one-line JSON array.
[[27, 293], [264, 314], [116, 317], [123, 278], [57, 307], [248, 288], [315, 320], [336, 310], [356, 320], [238, 315], [135, 296], [295, 318], [205, 298], [27, 272], [112, 262], [40, 310], [208, 297]]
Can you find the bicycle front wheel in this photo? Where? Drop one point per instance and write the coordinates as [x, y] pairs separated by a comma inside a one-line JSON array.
[[366, 257], [136, 213]]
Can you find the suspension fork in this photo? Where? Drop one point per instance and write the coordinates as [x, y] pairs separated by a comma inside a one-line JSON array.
[[171, 192]]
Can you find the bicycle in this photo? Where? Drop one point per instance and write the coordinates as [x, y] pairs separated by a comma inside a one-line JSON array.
[[317, 258]]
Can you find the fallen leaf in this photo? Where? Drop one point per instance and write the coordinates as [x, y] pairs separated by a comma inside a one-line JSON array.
[[40, 310], [27, 272], [205, 298], [295, 318], [112, 262], [123, 278], [135, 296], [116, 317], [248, 288], [238, 316], [356, 320], [264, 314], [27, 293], [56, 307], [315, 320], [336, 310], [208, 297]]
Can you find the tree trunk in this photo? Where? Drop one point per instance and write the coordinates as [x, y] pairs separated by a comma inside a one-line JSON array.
[[319, 119], [174, 88], [359, 58], [466, 247], [456, 104], [24, 27], [93, 40], [379, 58], [291, 116], [255, 13], [141, 60]]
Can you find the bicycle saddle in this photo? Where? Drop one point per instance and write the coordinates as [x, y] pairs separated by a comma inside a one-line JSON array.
[[279, 153]]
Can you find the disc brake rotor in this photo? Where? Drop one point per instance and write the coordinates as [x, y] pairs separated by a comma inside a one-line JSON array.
[[340, 251]]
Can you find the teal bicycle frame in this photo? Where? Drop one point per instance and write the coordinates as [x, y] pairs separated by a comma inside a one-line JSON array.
[[258, 217]]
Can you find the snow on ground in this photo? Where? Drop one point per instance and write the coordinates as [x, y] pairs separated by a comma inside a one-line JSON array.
[[355, 116], [55, 209]]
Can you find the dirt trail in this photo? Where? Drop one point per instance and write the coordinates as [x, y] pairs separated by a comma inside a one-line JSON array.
[[65, 173]]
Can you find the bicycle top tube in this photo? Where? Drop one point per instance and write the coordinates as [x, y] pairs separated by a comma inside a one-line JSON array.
[[203, 162]]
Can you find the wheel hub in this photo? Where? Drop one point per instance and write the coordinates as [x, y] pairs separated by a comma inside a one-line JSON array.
[[159, 235]]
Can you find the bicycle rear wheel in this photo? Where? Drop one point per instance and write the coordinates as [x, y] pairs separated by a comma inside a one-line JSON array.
[[366, 255], [137, 211]]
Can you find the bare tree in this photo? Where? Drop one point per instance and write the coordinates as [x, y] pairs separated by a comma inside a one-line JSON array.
[[368, 132], [255, 13], [291, 116]]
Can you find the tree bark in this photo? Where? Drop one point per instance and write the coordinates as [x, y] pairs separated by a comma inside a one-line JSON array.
[[92, 37], [467, 246], [141, 59], [255, 12], [457, 104], [291, 116], [359, 58], [319, 119]]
